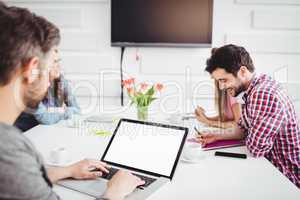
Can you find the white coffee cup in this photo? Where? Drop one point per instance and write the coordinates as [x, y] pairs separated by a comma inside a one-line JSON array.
[[176, 118], [192, 152], [59, 156]]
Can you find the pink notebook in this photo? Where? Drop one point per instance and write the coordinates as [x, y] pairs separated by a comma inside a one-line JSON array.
[[220, 144]]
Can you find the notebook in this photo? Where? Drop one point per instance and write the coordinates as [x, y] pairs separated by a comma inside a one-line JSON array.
[[220, 144]]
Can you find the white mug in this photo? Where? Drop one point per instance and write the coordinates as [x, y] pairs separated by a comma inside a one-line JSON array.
[[193, 151], [59, 156], [176, 118]]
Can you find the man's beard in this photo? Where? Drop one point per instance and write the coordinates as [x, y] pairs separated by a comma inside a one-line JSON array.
[[31, 98], [239, 90], [35, 92], [236, 91]]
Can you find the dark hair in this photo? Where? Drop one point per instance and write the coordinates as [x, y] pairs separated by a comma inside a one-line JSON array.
[[230, 58], [23, 35], [213, 50]]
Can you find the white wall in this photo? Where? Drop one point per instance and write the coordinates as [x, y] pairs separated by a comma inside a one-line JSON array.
[[269, 29]]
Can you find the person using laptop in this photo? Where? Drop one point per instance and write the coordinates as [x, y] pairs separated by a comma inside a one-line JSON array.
[[269, 123], [28, 44], [229, 110]]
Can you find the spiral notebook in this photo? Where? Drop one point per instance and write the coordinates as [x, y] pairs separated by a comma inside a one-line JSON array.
[[220, 144]]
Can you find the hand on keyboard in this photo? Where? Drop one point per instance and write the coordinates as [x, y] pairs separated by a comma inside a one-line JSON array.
[[82, 169], [122, 184], [113, 171]]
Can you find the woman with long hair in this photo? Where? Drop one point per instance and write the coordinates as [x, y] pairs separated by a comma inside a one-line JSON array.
[[229, 110]]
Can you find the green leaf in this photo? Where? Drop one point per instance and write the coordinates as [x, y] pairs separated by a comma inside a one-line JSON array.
[[144, 102], [138, 100], [151, 99], [151, 91], [132, 102]]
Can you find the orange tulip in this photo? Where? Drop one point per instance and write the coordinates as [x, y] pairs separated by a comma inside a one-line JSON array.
[[144, 86], [128, 82], [131, 81], [130, 90], [159, 86], [125, 82]]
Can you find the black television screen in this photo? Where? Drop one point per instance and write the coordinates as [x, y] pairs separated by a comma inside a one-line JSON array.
[[161, 22]]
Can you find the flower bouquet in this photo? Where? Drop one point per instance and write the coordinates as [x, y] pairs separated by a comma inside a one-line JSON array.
[[142, 95]]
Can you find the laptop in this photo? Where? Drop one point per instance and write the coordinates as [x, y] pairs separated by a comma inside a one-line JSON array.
[[149, 150]]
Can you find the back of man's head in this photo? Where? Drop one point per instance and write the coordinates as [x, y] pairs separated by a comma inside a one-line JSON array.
[[230, 58], [23, 36]]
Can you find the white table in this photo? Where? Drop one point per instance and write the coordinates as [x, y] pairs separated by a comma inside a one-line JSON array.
[[213, 178]]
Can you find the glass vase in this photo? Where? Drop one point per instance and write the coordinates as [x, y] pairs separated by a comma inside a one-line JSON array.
[[142, 112]]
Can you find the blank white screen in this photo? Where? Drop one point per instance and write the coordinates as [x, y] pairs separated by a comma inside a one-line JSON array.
[[145, 147]]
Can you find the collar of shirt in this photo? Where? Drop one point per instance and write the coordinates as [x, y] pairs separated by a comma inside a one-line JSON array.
[[256, 78]]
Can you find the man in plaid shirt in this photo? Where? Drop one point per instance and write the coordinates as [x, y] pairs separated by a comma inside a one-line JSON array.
[[268, 123]]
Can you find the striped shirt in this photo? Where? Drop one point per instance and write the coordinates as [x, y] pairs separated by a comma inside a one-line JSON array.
[[271, 126]]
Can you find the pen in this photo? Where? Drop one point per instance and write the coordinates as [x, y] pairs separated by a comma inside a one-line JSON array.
[[190, 113], [188, 117], [198, 132]]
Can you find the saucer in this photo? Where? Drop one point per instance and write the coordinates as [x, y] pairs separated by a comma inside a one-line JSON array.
[[192, 161]]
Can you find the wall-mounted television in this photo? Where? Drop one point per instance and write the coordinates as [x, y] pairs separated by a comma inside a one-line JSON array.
[[173, 23]]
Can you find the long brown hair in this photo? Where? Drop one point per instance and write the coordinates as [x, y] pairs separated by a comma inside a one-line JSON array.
[[220, 96], [220, 101], [58, 92]]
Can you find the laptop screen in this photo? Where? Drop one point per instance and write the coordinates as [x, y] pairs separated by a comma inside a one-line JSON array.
[[145, 146]]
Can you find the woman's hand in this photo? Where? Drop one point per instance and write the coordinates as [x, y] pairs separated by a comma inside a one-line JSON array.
[[200, 109], [200, 115], [207, 137], [88, 169], [121, 185]]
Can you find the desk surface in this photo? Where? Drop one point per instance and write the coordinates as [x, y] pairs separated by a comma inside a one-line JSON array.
[[213, 178]]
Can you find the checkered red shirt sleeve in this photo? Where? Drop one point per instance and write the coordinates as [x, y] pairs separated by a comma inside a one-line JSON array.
[[240, 125], [266, 119]]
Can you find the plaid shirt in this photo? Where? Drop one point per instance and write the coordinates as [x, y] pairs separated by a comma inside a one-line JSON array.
[[271, 126]]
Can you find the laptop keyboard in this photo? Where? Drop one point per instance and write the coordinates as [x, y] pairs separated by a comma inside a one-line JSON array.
[[113, 171]]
